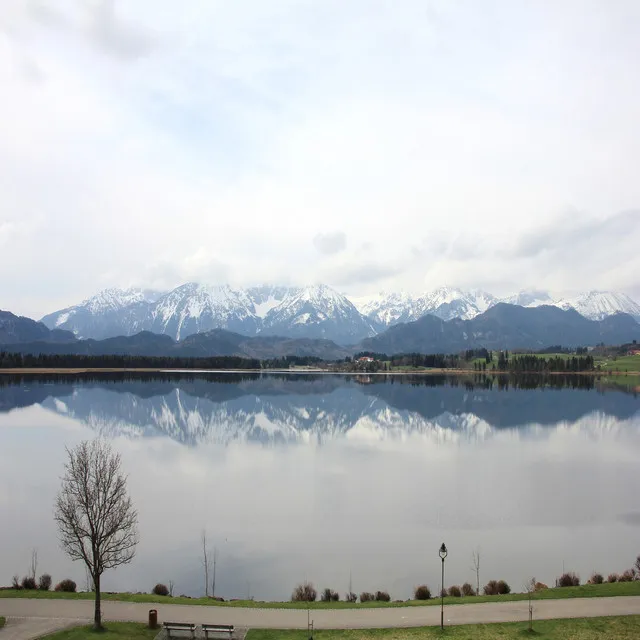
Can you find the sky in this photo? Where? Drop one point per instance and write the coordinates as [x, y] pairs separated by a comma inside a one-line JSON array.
[[369, 145]]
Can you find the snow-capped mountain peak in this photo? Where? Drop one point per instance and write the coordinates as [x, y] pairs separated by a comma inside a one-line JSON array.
[[192, 308], [443, 302], [266, 297], [529, 298], [318, 311], [597, 305], [113, 299]]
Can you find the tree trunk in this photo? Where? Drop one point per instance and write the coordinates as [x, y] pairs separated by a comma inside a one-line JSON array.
[[97, 618]]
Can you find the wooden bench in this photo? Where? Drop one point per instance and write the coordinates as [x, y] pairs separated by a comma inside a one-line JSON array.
[[180, 626], [217, 629]]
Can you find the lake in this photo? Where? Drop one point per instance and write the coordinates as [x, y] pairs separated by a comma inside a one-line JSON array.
[[323, 477]]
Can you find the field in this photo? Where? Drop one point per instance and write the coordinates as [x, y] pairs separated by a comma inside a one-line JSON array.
[[583, 591], [620, 627], [621, 363], [132, 630]]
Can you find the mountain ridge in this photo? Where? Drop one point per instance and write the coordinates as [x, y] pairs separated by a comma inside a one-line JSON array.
[[502, 326], [316, 311]]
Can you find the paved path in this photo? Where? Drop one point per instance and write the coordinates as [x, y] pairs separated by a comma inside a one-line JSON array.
[[34, 627], [322, 618]]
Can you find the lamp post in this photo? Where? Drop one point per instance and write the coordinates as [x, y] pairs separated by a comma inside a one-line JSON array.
[[443, 555]]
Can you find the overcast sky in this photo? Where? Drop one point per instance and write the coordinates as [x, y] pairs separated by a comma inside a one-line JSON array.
[[365, 144]]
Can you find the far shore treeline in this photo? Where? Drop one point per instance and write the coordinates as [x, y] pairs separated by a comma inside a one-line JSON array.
[[476, 360]]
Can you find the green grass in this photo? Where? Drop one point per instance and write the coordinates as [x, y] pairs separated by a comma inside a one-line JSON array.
[[621, 363], [618, 627], [2, 621], [133, 630], [583, 591]]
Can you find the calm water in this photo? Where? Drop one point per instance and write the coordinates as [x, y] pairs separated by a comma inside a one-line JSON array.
[[314, 477]]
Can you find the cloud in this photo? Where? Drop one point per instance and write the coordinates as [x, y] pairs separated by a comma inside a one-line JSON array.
[[117, 36], [330, 243], [364, 273], [154, 141], [572, 233], [99, 22]]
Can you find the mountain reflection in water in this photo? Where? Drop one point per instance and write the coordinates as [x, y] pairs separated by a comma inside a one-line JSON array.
[[277, 408]]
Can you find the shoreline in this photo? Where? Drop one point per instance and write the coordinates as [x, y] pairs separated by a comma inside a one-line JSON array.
[[425, 372]]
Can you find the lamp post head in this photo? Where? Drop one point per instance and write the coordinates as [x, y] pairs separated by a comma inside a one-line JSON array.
[[443, 551]]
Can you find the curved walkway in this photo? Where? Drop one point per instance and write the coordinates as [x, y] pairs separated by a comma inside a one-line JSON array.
[[82, 610]]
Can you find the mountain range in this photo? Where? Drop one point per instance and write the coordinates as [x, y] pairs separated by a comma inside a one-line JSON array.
[[502, 326], [316, 312], [313, 312]]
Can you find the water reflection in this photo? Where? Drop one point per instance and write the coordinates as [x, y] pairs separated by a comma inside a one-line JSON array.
[[312, 476], [274, 409]]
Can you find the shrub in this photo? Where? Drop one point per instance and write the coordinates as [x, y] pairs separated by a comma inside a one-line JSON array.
[[329, 595], [66, 585], [539, 586], [454, 591], [365, 596], [160, 590], [627, 576], [29, 583], [44, 584], [304, 592], [596, 578], [503, 588], [422, 592], [467, 590], [383, 596], [351, 597], [491, 588], [569, 579], [443, 593], [612, 577], [15, 583]]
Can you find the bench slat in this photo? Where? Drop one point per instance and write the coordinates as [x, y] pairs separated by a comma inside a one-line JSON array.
[[221, 627]]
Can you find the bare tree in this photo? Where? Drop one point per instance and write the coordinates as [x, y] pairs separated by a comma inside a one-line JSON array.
[[206, 562], [171, 585], [94, 513], [213, 581], [475, 556], [34, 563], [530, 587]]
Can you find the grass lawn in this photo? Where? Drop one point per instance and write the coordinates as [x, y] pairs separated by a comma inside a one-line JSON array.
[[583, 591], [2, 621], [114, 630], [621, 363], [620, 628]]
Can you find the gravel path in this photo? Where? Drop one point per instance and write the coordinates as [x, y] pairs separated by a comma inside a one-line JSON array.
[[62, 611]]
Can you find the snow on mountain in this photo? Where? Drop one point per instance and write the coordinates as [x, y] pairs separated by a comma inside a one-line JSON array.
[[266, 297], [318, 312], [115, 299], [445, 303], [387, 309], [301, 312], [529, 298], [193, 308], [597, 305], [109, 313]]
